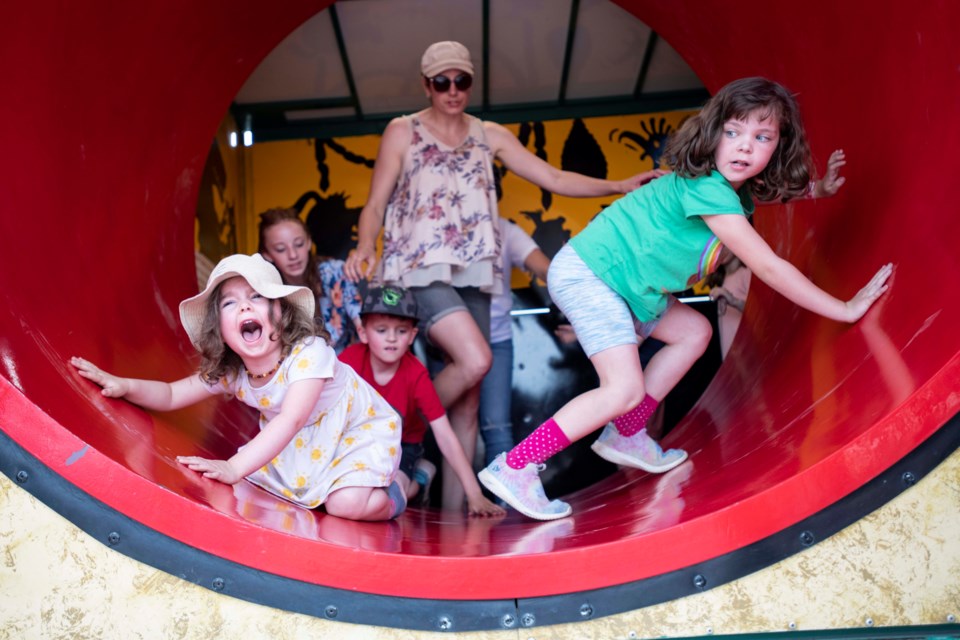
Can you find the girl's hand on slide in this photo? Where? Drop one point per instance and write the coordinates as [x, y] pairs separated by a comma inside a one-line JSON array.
[[219, 470], [860, 303], [480, 506], [832, 181], [113, 387]]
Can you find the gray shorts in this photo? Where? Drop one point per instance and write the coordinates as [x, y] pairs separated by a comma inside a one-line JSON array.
[[438, 300], [600, 317]]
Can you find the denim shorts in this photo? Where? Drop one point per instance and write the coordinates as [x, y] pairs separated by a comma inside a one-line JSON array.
[[438, 300], [600, 317], [410, 454]]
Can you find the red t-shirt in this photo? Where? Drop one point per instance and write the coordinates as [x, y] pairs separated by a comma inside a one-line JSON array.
[[410, 392]]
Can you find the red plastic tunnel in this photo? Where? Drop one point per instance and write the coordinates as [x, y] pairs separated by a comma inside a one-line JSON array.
[[108, 118]]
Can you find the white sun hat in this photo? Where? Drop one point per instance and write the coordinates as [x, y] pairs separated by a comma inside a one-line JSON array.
[[262, 276]]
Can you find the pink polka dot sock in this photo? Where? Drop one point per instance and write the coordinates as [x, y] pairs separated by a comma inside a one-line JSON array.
[[636, 419], [545, 441]]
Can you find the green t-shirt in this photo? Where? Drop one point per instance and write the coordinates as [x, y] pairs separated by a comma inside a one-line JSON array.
[[653, 241]]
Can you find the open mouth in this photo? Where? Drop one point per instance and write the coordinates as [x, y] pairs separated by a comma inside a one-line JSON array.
[[250, 330]]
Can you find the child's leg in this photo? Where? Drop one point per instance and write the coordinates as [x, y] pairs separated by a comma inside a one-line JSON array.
[[686, 335], [366, 503], [514, 477], [604, 325], [621, 379]]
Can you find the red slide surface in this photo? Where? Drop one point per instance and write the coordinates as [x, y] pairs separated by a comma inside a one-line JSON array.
[[108, 118]]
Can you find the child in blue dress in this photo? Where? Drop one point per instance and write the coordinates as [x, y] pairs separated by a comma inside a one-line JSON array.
[[326, 437], [614, 280]]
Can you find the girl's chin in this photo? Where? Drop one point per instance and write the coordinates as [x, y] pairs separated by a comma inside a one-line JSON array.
[[295, 275], [260, 348]]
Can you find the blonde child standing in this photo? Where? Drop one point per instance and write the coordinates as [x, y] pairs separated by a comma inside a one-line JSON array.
[[614, 280], [383, 359], [326, 438]]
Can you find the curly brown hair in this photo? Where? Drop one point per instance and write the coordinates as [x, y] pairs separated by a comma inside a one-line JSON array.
[[217, 360], [275, 216], [691, 151]]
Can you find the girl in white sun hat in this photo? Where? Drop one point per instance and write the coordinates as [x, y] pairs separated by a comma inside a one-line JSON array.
[[326, 437]]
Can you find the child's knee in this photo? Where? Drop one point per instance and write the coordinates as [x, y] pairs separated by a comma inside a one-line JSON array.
[[623, 398], [351, 503], [702, 333]]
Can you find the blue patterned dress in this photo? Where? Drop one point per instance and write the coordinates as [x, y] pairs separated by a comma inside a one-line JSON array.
[[339, 305]]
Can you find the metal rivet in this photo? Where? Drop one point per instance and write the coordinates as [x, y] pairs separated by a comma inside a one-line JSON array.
[[445, 623], [22, 476], [868, 622], [113, 538], [632, 634], [699, 581], [791, 625], [219, 584], [908, 478], [807, 538], [528, 620], [330, 611], [508, 621], [586, 611], [709, 631], [951, 617]]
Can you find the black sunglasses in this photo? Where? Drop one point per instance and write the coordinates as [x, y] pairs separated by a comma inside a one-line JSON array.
[[441, 83]]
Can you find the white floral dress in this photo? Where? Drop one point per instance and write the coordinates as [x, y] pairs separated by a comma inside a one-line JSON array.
[[441, 223], [351, 439]]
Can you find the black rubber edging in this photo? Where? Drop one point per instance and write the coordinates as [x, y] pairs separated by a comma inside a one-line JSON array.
[[723, 569], [160, 551]]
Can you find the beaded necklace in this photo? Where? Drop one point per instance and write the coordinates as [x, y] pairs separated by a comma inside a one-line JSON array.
[[260, 376]]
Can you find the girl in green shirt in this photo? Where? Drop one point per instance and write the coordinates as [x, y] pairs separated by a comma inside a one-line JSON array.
[[615, 279]]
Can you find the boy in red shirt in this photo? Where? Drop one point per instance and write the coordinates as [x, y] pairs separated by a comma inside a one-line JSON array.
[[383, 359]]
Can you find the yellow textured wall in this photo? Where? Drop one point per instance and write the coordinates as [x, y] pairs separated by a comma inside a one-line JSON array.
[[896, 567]]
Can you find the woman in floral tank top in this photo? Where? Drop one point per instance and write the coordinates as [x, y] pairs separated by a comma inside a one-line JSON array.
[[433, 194]]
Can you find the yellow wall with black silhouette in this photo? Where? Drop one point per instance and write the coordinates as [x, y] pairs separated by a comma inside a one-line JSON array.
[[331, 179]]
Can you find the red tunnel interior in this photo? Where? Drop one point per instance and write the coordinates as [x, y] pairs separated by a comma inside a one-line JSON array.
[[108, 118]]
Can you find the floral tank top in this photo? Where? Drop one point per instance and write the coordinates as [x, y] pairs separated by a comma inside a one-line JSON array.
[[441, 223]]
